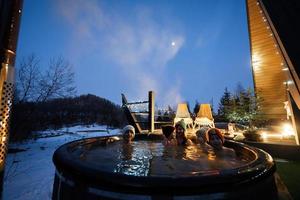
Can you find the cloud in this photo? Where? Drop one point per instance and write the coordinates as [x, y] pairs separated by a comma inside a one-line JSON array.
[[140, 47]]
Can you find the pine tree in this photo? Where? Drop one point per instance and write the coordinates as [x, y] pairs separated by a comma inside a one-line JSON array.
[[225, 105]]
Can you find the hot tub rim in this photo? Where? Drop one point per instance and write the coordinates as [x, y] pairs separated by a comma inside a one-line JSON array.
[[74, 170]]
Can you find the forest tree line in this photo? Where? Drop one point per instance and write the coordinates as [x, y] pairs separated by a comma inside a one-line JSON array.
[[56, 113], [45, 98]]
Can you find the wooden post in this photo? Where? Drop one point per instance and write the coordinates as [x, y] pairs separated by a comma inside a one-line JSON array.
[[151, 111]]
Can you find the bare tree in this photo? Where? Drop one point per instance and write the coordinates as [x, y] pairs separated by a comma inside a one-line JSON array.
[[56, 81], [28, 77]]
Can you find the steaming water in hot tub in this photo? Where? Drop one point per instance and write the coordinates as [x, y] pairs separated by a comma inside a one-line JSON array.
[[107, 168], [152, 158]]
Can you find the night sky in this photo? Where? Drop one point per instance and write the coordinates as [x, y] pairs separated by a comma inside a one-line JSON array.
[[183, 50]]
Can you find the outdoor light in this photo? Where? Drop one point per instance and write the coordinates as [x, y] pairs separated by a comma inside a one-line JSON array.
[[289, 82], [256, 61], [287, 130], [264, 135]]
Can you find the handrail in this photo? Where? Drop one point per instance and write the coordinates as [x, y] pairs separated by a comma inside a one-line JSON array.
[[137, 102]]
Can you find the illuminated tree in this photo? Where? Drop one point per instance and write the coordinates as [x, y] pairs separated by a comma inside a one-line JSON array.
[[225, 105]]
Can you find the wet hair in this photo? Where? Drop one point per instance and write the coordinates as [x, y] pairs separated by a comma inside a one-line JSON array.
[[214, 131], [201, 133]]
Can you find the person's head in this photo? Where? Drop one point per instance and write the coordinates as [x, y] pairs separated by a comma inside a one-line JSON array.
[[201, 135], [180, 128], [128, 133], [168, 131], [215, 138]]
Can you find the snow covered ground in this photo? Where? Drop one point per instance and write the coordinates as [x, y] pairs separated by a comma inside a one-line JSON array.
[[29, 174]]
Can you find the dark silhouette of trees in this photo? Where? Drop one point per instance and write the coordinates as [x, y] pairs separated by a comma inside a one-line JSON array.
[[35, 84], [56, 113], [44, 99], [196, 107], [28, 77]]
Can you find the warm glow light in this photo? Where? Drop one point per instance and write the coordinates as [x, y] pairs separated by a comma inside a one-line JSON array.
[[256, 61], [285, 69], [289, 82], [264, 135], [287, 130]]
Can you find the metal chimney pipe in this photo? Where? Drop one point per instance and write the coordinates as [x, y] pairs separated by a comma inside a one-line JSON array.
[[10, 15]]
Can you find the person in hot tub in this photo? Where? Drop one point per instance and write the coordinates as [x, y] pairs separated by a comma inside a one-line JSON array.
[[169, 139], [201, 136], [128, 133], [181, 137], [227, 156], [214, 138]]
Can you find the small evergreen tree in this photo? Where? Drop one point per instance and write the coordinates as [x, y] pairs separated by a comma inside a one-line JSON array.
[[225, 105]]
